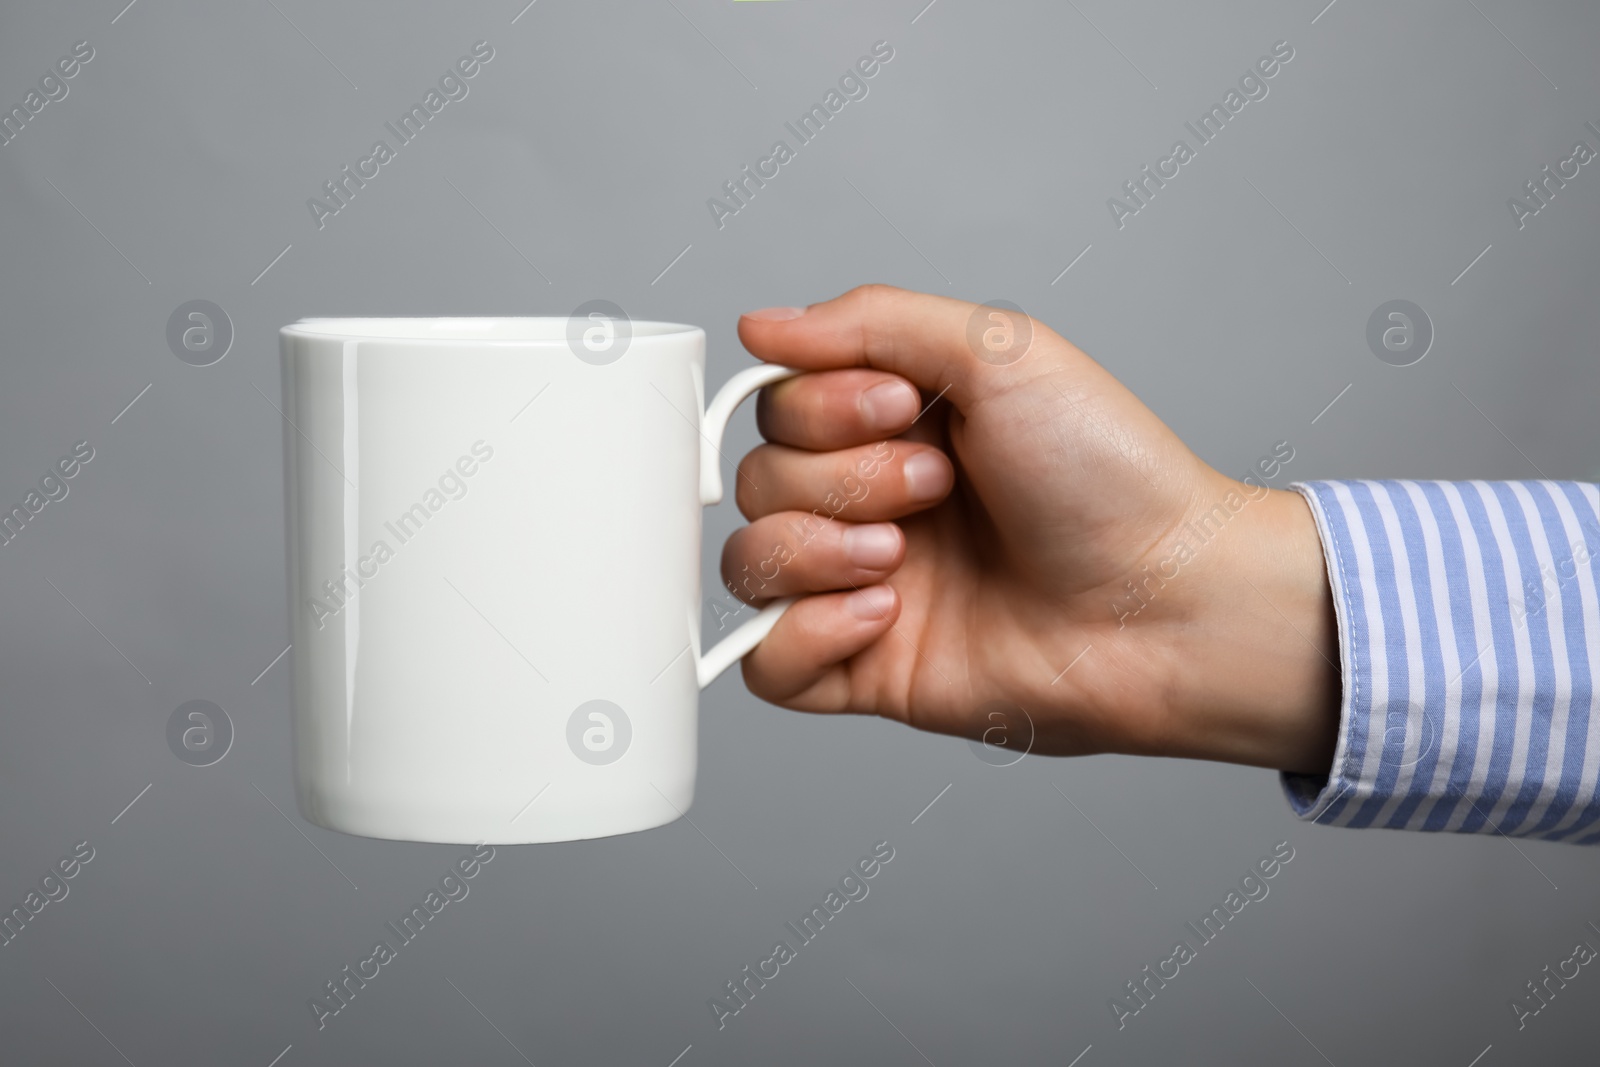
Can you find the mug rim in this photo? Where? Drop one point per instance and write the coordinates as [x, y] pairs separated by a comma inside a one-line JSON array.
[[486, 330]]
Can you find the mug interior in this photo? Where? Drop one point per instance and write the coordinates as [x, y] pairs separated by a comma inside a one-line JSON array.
[[549, 329]]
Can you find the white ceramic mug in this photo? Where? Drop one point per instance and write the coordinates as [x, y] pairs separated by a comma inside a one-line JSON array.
[[494, 572]]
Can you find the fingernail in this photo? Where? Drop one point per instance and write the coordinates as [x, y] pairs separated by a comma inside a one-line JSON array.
[[870, 604], [889, 405], [872, 547], [927, 476], [775, 314]]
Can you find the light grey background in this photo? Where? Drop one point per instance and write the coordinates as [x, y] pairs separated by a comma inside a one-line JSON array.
[[980, 164]]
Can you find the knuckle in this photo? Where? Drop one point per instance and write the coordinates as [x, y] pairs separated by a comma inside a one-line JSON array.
[[811, 415], [873, 292], [876, 318]]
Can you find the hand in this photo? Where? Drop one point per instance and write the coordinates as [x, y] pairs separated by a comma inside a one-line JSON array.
[[983, 549]]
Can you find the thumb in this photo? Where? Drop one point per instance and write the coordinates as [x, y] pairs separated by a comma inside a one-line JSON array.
[[933, 341]]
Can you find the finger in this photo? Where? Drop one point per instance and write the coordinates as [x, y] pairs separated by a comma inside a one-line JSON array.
[[796, 552], [801, 663], [867, 484], [933, 341], [837, 409]]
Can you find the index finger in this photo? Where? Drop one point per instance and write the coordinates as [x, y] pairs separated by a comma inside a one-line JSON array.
[[936, 342]]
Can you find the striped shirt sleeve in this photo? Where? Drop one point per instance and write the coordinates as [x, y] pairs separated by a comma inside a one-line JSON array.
[[1469, 619]]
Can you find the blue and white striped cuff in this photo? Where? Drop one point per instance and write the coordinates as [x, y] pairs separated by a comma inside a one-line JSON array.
[[1464, 611]]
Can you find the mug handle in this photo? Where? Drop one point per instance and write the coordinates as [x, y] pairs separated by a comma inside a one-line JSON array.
[[710, 665]]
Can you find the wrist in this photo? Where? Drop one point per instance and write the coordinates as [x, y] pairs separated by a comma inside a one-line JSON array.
[[1257, 664]]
